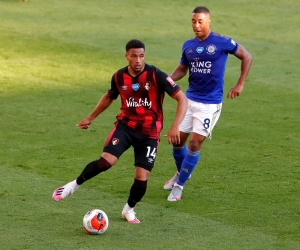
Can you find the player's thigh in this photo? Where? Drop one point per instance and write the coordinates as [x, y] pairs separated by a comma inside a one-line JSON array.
[[118, 141], [205, 117], [186, 125], [145, 150]]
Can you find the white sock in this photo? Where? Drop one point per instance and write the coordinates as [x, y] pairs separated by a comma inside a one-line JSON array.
[[127, 207], [74, 185], [177, 185]]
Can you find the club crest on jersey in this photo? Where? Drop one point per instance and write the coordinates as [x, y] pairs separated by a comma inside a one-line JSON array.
[[169, 79], [115, 141], [199, 50], [190, 51], [211, 49], [135, 86], [147, 85]]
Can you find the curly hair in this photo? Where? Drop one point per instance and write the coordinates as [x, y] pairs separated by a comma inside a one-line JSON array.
[[134, 44]]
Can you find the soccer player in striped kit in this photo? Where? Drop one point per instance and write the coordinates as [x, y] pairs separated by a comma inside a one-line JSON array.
[[204, 56], [142, 88]]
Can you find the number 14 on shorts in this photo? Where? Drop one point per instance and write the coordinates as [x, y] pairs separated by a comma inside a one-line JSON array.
[[151, 152]]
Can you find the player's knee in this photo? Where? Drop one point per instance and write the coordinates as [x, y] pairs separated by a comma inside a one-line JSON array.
[[195, 145], [142, 173], [140, 184], [103, 164]]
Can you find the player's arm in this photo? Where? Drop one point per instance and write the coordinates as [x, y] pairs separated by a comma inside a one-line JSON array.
[[246, 60], [179, 72], [105, 101], [182, 103], [102, 105], [173, 90]]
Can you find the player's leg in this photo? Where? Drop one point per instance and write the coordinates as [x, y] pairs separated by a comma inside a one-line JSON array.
[[137, 191], [145, 153], [91, 170], [191, 158], [188, 164], [205, 118], [94, 168], [109, 157], [179, 151]]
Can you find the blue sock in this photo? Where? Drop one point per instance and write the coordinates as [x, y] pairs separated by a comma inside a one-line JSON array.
[[179, 154], [188, 164]]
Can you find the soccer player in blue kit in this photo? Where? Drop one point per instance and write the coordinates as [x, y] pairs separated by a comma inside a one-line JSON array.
[[204, 56]]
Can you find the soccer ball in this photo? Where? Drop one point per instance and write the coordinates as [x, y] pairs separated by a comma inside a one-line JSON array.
[[95, 221]]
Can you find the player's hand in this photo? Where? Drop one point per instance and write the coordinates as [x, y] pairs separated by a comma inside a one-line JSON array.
[[235, 91], [84, 124], [173, 136]]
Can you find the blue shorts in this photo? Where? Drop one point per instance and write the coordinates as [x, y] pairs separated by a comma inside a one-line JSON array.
[[122, 137]]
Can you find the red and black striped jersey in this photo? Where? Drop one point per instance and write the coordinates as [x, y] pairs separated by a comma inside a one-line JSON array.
[[142, 98]]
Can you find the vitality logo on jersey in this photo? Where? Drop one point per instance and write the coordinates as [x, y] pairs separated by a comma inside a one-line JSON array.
[[135, 86], [199, 50], [131, 103]]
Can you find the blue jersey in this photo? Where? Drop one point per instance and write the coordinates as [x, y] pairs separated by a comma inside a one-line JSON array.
[[207, 62]]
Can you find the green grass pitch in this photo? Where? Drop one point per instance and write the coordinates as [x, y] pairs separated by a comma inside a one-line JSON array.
[[56, 60]]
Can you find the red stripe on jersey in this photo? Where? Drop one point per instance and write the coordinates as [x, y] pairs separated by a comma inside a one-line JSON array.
[[142, 99]]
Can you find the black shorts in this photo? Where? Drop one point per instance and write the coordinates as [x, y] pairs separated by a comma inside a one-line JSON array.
[[122, 137]]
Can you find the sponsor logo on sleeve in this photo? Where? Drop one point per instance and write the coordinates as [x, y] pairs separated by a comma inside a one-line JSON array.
[[169, 79]]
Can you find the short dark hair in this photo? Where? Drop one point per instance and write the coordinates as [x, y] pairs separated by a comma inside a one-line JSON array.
[[201, 9], [134, 44]]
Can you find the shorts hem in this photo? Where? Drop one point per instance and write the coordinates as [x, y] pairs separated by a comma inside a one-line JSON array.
[[112, 152]]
